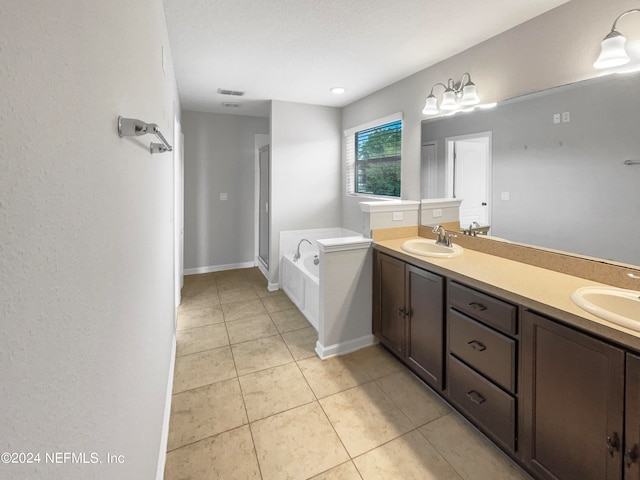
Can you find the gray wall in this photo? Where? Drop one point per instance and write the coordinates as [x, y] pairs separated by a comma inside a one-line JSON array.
[[553, 49], [219, 157], [86, 235], [305, 171], [568, 187]]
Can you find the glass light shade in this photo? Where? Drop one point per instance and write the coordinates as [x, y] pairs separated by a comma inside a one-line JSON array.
[[449, 101], [431, 106], [613, 53], [469, 95]]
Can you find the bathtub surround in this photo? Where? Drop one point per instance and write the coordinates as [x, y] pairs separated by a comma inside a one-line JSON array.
[[86, 236], [346, 272], [335, 295]]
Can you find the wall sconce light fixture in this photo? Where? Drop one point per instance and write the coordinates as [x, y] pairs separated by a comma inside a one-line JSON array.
[[456, 95], [613, 52]]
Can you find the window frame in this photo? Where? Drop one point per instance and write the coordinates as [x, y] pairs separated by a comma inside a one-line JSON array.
[[351, 155]]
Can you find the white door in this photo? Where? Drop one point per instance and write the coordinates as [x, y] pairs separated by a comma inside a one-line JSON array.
[[470, 174]]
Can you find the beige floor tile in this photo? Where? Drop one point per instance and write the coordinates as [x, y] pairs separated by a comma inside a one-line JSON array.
[[205, 411], [261, 287], [414, 398], [201, 288], [277, 303], [239, 310], [407, 457], [260, 354], [244, 294], [365, 417], [198, 302], [199, 339], [239, 283], [255, 275], [376, 361], [229, 455], [297, 444], [289, 320], [274, 390], [251, 328], [333, 375], [200, 317], [346, 471], [473, 456], [203, 368], [301, 343]]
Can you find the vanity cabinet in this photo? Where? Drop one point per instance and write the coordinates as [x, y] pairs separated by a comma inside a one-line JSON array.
[[562, 403], [408, 315], [572, 402], [482, 355]]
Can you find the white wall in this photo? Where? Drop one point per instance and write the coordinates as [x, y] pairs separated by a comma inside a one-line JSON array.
[[553, 49], [219, 155], [86, 235], [305, 171]]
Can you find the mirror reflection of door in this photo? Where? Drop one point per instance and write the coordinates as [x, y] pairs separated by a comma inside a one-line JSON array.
[[263, 214], [429, 171], [469, 176]]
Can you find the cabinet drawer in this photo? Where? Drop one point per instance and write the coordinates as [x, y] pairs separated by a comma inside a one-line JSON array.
[[490, 310], [489, 352], [490, 407]]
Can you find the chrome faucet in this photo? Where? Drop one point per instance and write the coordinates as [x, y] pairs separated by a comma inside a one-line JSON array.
[[442, 233], [444, 237], [296, 257]]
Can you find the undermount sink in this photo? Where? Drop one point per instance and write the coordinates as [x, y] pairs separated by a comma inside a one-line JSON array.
[[610, 303], [429, 248]]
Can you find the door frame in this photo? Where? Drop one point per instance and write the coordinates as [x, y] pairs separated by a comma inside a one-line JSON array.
[[260, 141]]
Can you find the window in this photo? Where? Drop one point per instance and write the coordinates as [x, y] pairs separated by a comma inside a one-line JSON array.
[[373, 158]]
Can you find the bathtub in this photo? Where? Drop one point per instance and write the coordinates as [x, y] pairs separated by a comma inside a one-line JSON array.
[[300, 281]]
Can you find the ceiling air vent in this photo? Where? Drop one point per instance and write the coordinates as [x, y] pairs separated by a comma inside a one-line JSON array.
[[236, 93], [230, 105]]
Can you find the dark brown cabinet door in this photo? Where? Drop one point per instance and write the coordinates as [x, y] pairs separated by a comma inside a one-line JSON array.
[[393, 315], [426, 340], [632, 420], [572, 403]]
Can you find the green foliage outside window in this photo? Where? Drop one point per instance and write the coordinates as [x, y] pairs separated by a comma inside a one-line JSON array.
[[378, 160]]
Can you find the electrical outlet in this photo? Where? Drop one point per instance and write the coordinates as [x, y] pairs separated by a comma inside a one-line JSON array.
[[566, 117], [437, 213], [397, 216], [556, 118], [224, 196], [504, 195]]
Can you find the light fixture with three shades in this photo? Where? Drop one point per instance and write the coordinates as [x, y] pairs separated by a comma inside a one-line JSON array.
[[456, 95]]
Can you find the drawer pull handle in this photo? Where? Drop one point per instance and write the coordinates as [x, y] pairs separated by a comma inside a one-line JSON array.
[[477, 306], [475, 397], [477, 346]]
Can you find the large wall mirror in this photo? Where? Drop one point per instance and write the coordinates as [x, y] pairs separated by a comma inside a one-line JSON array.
[[561, 167]]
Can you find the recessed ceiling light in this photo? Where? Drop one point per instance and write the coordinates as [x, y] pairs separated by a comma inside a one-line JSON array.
[[338, 90]]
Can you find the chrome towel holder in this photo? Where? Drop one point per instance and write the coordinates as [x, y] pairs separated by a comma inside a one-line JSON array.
[[130, 127], [632, 162]]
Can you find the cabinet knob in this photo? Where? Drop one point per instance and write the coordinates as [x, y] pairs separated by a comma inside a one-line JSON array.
[[613, 444], [631, 456]]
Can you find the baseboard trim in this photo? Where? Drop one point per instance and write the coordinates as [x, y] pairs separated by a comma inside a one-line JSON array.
[[343, 348], [218, 268], [164, 439]]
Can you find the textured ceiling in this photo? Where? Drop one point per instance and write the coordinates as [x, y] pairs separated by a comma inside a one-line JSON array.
[[296, 50]]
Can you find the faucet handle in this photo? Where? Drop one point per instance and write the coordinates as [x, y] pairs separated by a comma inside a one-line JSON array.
[[447, 240], [436, 228]]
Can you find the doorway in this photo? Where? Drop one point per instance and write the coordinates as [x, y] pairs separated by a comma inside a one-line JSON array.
[[468, 173], [264, 165]]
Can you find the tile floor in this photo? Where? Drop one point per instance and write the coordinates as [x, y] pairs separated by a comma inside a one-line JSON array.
[[251, 400]]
